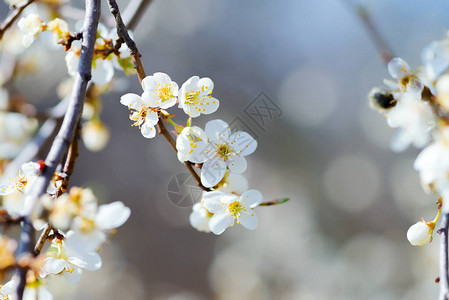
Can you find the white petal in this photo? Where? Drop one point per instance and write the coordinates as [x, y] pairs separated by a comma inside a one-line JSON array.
[[73, 277], [149, 83], [242, 143], [150, 98], [398, 68], [152, 117], [212, 201], [77, 243], [212, 172], [89, 261], [54, 265], [219, 222], [43, 293], [251, 198], [112, 215], [207, 83], [31, 169], [131, 100], [168, 103], [103, 71], [162, 78], [248, 220], [237, 164], [148, 131], [209, 105], [7, 189], [72, 61], [218, 131]]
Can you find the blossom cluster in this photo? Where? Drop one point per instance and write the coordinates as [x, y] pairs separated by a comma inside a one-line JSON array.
[[417, 104], [79, 228], [219, 152]]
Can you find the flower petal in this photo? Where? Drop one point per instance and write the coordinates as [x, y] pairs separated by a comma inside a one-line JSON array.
[[242, 143], [212, 201], [398, 68], [131, 100], [251, 198], [237, 164], [148, 130], [54, 265], [218, 131], [112, 215], [74, 276], [249, 220], [103, 71], [89, 261], [212, 172], [219, 222]]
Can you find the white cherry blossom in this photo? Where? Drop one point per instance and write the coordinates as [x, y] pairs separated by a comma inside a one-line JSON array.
[[30, 26], [436, 58], [195, 97], [229, 207], [34, 290], [406, 80], [233, 184], [142, 115], [224, 150], [95, 135], [159, 91], [191, 138], [24, 179], [414, 118]]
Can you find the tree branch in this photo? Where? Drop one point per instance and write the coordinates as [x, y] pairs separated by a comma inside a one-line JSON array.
[[65, 134], [18, 9], [444, 258], [134, 11], [380, 43], [123, 33]]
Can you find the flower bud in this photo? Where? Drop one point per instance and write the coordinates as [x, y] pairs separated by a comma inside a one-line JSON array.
[[419, 234]]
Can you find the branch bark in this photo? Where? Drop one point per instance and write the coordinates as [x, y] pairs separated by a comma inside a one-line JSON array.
[[123, 34], [65, 134], [444, 258], [13, 16]]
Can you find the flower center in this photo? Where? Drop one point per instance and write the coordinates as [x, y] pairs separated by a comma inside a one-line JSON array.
[[139, 116], [164, 92], [192, 97], [224, 151], [235, 208], [87, 225]]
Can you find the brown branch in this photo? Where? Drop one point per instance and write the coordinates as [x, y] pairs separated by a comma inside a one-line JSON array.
[[134, 11], [65, 135], [42, 239], [12, 17], [380, 43], [123, 33], [444, 258]]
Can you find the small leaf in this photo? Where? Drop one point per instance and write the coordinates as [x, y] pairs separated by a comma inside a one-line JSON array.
[[274, 202]]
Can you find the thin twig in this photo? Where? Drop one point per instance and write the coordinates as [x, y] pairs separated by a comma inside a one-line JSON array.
[[134, 11], [66, 133], [42, 239], [444, 258], [123, 33], [18, 9], [380, 43]]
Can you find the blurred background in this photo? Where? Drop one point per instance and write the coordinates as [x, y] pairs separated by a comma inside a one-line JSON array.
[[343, 234]]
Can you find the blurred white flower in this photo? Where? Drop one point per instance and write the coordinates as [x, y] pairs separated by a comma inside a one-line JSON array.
[[60, 30], [199, 218], [195, 97], [30, 26], [435, 58], [34, 290], [229, 207], [95, 135], [23, 180], [414, 118], [433, 165], [15, 131], [419, 234], [65, 259], [143, 116], [159, 91], [405, 79], [233, 184]]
